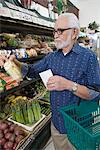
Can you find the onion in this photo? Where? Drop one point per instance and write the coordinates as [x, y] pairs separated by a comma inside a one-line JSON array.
[[12, 127], [15, 145], [12, 138], [8, 145], [2, 141], [6, 131], [3, 126], [8, 135], [9, 123]]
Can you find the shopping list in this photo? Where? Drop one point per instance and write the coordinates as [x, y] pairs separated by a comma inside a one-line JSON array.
[[45, 75]]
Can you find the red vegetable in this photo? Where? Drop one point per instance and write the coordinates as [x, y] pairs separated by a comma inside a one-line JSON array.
[[8, 149], [3, 126], [10, 123], [12, 138], [2, 141], [8, 145], [8, 135], [12, 127], [6, 131], [15, 145]]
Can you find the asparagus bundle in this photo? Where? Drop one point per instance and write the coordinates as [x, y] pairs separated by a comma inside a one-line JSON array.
[[26, 112]]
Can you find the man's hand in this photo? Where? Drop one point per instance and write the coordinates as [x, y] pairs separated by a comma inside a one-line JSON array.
[[59, 83], [3, 59], [12, 58]]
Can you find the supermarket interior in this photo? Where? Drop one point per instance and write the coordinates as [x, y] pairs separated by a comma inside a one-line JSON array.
[[26, 105]]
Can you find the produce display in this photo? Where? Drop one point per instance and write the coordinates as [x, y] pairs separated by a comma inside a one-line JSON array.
[[44, 102], [7, 82], [26, 93], [32, 90], [24, 46], [45, 97], [10, 135], [22, 103], [23, 106], [8, 41], [26, 112], [12, 69], [45, 107]]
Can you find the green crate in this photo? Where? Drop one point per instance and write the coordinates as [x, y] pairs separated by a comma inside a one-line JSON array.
[[82, 125]]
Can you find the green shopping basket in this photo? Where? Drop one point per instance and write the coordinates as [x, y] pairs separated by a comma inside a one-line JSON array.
[[82, 125]]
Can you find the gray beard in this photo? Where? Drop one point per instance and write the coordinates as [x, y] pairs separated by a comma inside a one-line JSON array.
[[62, 44]]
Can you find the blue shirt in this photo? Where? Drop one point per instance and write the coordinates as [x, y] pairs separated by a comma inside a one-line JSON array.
[[79, 65]]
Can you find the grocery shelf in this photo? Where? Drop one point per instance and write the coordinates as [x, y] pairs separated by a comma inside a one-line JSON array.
[[20, 86], [39, 137], [31, 59], [20, 26]]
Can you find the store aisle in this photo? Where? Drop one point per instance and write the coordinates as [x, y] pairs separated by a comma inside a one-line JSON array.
[[49, 145]]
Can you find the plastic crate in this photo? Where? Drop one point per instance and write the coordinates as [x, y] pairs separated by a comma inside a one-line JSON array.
[[82, 125]]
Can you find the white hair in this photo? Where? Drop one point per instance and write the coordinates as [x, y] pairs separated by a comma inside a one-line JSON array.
[[72, 19]]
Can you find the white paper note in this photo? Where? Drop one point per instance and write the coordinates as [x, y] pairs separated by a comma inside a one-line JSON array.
[[45, 75]]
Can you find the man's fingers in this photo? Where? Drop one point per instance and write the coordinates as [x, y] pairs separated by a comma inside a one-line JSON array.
[[50, 88], [1, 63], [12, 57], [3, 59]]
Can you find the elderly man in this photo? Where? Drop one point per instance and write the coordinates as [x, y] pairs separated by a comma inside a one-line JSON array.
[[76, 73]]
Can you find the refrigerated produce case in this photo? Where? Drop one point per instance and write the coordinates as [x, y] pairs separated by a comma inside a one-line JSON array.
[[41, 133], [10, 24]]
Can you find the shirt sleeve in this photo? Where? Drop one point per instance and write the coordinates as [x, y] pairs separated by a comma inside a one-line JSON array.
[[93, 72], [94, 94], [24, 70], [33, 70]]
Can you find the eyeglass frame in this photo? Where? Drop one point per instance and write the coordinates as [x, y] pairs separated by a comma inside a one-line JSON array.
[[59, 31]]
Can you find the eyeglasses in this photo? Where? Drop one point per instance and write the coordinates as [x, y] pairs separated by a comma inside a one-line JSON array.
[[60, 31]]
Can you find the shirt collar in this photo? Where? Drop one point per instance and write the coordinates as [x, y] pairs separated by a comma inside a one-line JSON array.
[[76, 48]]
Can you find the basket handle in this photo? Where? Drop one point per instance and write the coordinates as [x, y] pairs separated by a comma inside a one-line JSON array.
[[80, 100]]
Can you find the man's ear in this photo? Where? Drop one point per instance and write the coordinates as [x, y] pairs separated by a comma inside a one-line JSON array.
[[75, 33]]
